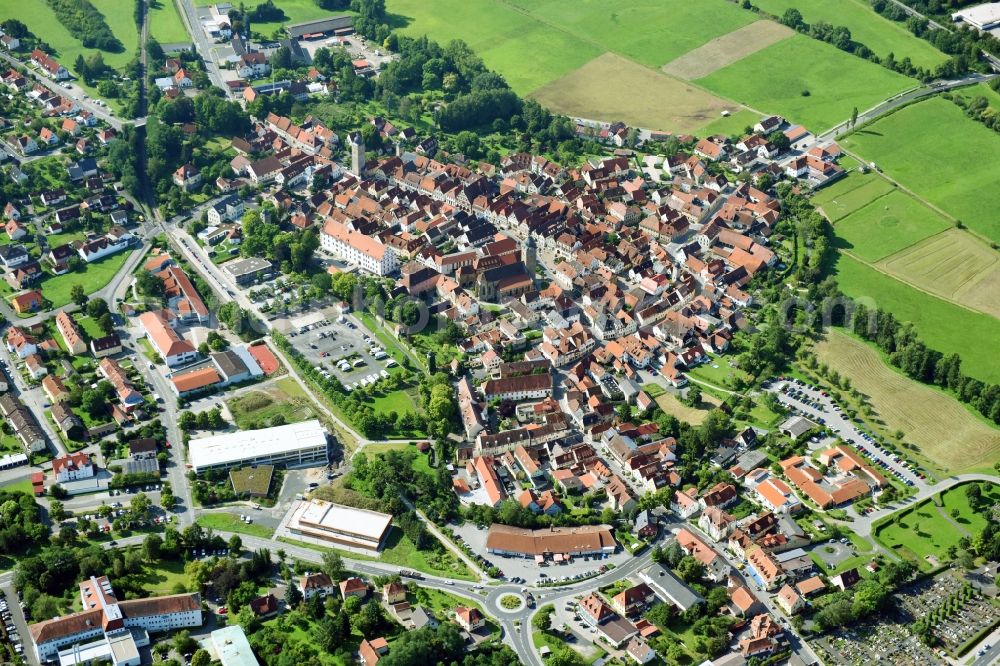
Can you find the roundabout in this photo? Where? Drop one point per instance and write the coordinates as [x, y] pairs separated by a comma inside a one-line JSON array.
[[510, 602]]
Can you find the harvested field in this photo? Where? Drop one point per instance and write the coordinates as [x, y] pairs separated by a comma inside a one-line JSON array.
[[727, 49], [670, 404], [610, 86], [945, 432], [954, 265]]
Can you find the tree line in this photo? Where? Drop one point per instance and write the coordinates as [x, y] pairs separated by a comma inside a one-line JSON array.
[[910, 354], [962, 43], [87, 24]]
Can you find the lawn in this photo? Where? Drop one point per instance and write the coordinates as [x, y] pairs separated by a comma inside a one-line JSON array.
[[96, 276], [227, 522], [954, 498], [887, 225], [941, 324], [400, 551], [166, 578], [936, 132], [90, 327], [670, 404], [944, 431], [22, 486], [717, 371], [879, 34], [819, 96], [923, 531], [165, 24]]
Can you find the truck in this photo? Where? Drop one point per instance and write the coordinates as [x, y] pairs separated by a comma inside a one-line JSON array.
[[411, 574]]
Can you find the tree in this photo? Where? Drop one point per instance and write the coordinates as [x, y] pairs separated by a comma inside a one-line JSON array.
[[333, 566], [854, 117], [693, 397], [235, 545], [293, 595], [690, 569], [201, 658], [151, 547], [78, 295], [97, 307], [57, 511], [543, 618]]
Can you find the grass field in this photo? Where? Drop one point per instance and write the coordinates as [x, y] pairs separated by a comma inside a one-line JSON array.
[[634, 94], [926, 530], [670, 404], [42, 22], [942, 325], [850, 194], [733, 124], [651, 32], [727, 49], [954, 499], [257, 409], [227, 522], [503, 36], [165, 24], [98, 274], [879, 34], [954, 265], [945, 431], [887, 225], [929, 148], [774, 79]]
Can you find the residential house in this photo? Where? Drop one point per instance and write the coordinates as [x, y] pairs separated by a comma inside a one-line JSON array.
[[317, 584], [73, 467], [469, 619], [353, 587]]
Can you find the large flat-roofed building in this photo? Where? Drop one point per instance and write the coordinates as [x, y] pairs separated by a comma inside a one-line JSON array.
[[290, 445], [232, 647], [336, 523], [550, 541], [100, 629], [246, 271], [320, 26], [984, 17]]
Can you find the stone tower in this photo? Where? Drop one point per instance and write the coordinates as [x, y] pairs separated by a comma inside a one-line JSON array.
[[528, 252], [357, 153]]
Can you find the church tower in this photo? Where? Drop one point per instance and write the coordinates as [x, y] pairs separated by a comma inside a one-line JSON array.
[[528, 255], [357, 153]]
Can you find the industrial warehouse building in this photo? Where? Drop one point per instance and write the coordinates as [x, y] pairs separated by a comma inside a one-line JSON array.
[[289, 445], [335, 523]]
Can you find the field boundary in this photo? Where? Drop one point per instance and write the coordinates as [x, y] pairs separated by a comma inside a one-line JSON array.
[[947, 433], [727, 49]]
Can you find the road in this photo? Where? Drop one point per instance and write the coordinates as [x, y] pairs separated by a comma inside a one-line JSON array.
[[896, 101], [189, 13], [835, 420], [75, 92]]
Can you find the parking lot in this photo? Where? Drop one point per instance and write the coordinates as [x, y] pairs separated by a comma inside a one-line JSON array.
[[526, 571], [810, 402], [341, 348]]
